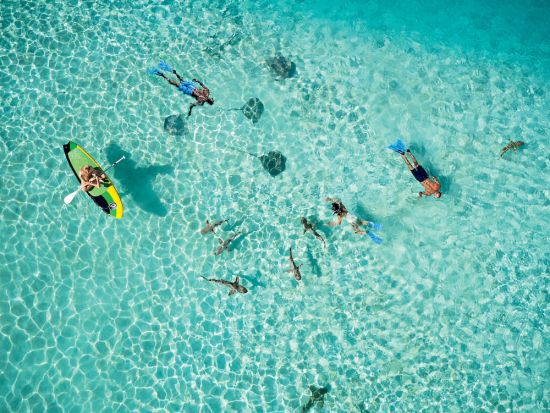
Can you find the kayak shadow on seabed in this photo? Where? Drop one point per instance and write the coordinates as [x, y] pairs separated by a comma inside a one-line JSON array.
[[137, 181]]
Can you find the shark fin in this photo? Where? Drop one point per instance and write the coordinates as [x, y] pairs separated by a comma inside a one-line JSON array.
[[237, 279], [232, 292]]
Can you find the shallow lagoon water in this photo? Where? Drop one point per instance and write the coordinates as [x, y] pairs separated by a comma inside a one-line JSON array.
[[449, 314]]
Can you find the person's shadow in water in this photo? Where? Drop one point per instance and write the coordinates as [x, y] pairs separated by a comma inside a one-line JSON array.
[[137, 181]]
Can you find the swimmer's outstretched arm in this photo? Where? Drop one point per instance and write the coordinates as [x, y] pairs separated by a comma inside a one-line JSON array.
[[200, 83], [332, 199]]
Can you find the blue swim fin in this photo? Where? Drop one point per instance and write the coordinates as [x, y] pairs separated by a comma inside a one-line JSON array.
[[153, 71], [374, 238], [374, 226], [165, 66], [398, 146]]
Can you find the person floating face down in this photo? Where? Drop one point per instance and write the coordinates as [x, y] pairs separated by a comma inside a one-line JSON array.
[[91, 177], [342, 213], [190, 88], [431, 185]]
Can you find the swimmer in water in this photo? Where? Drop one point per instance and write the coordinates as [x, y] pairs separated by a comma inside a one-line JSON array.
[[342, 213], [190, 88], [431, 185]]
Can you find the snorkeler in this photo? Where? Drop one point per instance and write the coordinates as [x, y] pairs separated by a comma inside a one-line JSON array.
[[341, 212], [185, 86], [431, 185]]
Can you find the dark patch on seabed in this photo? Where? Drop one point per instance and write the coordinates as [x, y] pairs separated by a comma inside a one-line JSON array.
[[138, 181], [176, 125]]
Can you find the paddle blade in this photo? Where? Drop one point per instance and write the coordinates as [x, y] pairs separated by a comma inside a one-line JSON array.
[[69, 198]]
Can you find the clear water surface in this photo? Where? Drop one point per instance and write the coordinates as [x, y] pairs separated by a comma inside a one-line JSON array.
[[450, 314]]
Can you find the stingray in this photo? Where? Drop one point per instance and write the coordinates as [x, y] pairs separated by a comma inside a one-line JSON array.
[[281, 66], [274, 162], [175, 125], [215, 47], [253, 109]]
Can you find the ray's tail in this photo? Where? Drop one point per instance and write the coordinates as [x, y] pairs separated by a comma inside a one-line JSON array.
[[241, 151]]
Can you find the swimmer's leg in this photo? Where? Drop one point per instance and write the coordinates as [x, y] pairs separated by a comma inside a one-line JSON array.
[[407, 162], [412, 157], [177, 75], [172, 82]]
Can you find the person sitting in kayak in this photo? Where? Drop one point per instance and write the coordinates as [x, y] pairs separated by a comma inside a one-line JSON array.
[[91, 177], [185, 86]]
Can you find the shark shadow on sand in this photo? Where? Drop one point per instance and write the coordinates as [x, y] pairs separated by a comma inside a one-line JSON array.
[[254, 281], [138, 181], [313, 263]]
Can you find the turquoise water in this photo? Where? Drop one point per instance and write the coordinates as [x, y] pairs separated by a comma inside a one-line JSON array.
[[450, 314]]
